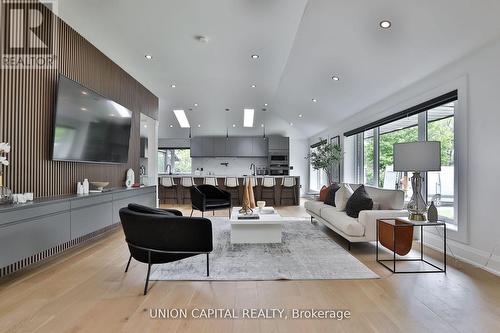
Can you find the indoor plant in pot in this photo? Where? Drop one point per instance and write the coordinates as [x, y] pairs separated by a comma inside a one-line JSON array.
[[326, 157], [5, 193]]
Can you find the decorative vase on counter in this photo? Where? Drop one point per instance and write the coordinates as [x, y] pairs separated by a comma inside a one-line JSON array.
[[432, 213], [5, 193]]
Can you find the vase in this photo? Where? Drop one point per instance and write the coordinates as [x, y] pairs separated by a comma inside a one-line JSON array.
[[5, 193], [432, 213]]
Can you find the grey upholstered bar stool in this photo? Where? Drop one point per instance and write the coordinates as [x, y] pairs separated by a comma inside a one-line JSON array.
[[186, 183], [232, 185], [287, 185], [210, 181], [168, 186], [268, 191]]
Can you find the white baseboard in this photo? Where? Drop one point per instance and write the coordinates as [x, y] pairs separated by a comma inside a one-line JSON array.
[[465, 253]]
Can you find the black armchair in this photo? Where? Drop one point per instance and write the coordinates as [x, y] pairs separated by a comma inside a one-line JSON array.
[[209, 198], [158, 236]]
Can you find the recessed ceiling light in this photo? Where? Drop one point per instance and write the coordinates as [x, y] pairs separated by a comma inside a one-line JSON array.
[[385, 24], [248, 117], [335, 78], [195, 104], [171, 125], [181, 118], [253, 86], [173, 86], [314, 100], [84, 93], [300, 115], [265, 104], [234, 125], [145, 126], [83, 109], [291, 124], [148, 56], [255, 56], [261, 125], [199, 125]]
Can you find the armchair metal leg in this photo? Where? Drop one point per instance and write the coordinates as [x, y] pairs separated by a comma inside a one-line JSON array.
[[149, 270], [208, 266], [202, 214], [128, 263], [191, 213], [213, 213]]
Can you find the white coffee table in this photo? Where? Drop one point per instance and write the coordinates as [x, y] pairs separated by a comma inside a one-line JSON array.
[[267, 229]]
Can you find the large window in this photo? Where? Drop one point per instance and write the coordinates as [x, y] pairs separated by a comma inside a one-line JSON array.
[[174, 160], [376, 169]]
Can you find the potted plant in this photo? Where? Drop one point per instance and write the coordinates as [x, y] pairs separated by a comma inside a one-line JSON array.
[[326, 157], [5, 193]]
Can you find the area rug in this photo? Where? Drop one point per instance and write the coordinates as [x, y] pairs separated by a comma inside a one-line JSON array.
[[306, 253]]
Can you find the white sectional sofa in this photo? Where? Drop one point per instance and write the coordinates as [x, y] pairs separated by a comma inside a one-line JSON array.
[[386, 204]]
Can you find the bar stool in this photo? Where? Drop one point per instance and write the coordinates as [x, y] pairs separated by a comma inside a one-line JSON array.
[[232, 185], [168, 186], [287, 184], [210, 181], [186, 183], [268, 189]]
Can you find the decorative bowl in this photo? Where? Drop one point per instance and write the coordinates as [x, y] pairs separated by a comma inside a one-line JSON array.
[[261, 204], [99, 185]]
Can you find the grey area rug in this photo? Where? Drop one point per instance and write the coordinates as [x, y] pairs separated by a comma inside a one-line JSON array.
[[306, 253]]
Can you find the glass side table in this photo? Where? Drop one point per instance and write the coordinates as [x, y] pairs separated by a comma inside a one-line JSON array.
[[396, 225]]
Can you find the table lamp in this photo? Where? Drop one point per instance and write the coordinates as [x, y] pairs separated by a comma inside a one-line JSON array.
[[417, 157]]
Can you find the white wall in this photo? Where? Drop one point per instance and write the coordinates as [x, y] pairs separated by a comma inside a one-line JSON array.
[[236, 165], [477, 76]]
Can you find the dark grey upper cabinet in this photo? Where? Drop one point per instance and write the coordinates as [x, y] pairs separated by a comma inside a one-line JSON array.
[[279, 143], [197, 147], [221, 147], [259, 147], [240, 147], [236, 146]]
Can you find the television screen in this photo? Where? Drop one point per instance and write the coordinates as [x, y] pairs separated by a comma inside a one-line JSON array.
[[89, 127]]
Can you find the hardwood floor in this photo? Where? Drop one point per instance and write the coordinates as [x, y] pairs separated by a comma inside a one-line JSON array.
[[86, 290]]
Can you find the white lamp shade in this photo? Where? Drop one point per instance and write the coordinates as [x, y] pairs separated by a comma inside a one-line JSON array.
[[417, 156]]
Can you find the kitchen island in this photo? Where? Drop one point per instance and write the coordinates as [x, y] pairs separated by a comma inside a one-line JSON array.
[[275, 196]]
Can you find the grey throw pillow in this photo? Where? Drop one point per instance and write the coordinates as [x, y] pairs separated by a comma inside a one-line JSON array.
[[359, 200]]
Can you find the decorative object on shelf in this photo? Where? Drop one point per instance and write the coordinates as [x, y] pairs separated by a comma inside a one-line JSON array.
[[99, 185], [261, 204], [432, 213], [130, 180], [79, 188], [29, 196], [5, 192], [326, 157], [417, 157], [248, 198], [86, 186]]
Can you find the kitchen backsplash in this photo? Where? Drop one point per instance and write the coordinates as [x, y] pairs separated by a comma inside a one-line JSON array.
[[235, 165]]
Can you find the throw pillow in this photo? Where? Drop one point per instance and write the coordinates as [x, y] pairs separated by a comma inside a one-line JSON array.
[[323, 192], [359, 200], [330, 196], [342, 195]]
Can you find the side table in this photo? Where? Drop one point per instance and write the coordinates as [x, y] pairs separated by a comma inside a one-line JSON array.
[[390, 264]]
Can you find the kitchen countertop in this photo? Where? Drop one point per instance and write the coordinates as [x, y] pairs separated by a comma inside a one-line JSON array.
[[218, 176]]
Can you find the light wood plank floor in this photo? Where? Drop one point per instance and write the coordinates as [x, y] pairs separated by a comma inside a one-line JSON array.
[[86, 290]]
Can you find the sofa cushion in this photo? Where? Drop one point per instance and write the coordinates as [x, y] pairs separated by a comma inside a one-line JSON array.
[[359, 200], [315, 206], [323, 192], [386, 198], [330, 196], [348, 225], [342, 195]]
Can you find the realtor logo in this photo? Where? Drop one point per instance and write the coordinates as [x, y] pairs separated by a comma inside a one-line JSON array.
[[29, 34]]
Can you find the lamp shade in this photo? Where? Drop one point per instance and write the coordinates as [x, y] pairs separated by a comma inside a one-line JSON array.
[[417, 156]]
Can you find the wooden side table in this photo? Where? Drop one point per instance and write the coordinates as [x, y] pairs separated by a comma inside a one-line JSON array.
[[395, 225]]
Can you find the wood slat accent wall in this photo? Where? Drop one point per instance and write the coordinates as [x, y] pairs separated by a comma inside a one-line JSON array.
[[27, 105]]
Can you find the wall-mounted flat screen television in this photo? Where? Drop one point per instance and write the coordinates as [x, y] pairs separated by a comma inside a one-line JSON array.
[[89, 127]]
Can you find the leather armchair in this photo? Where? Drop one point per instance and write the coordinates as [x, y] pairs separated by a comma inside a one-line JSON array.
[[159, 236], [209, 198]]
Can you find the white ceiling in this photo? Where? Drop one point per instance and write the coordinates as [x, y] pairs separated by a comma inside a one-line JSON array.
[[300, 43]]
